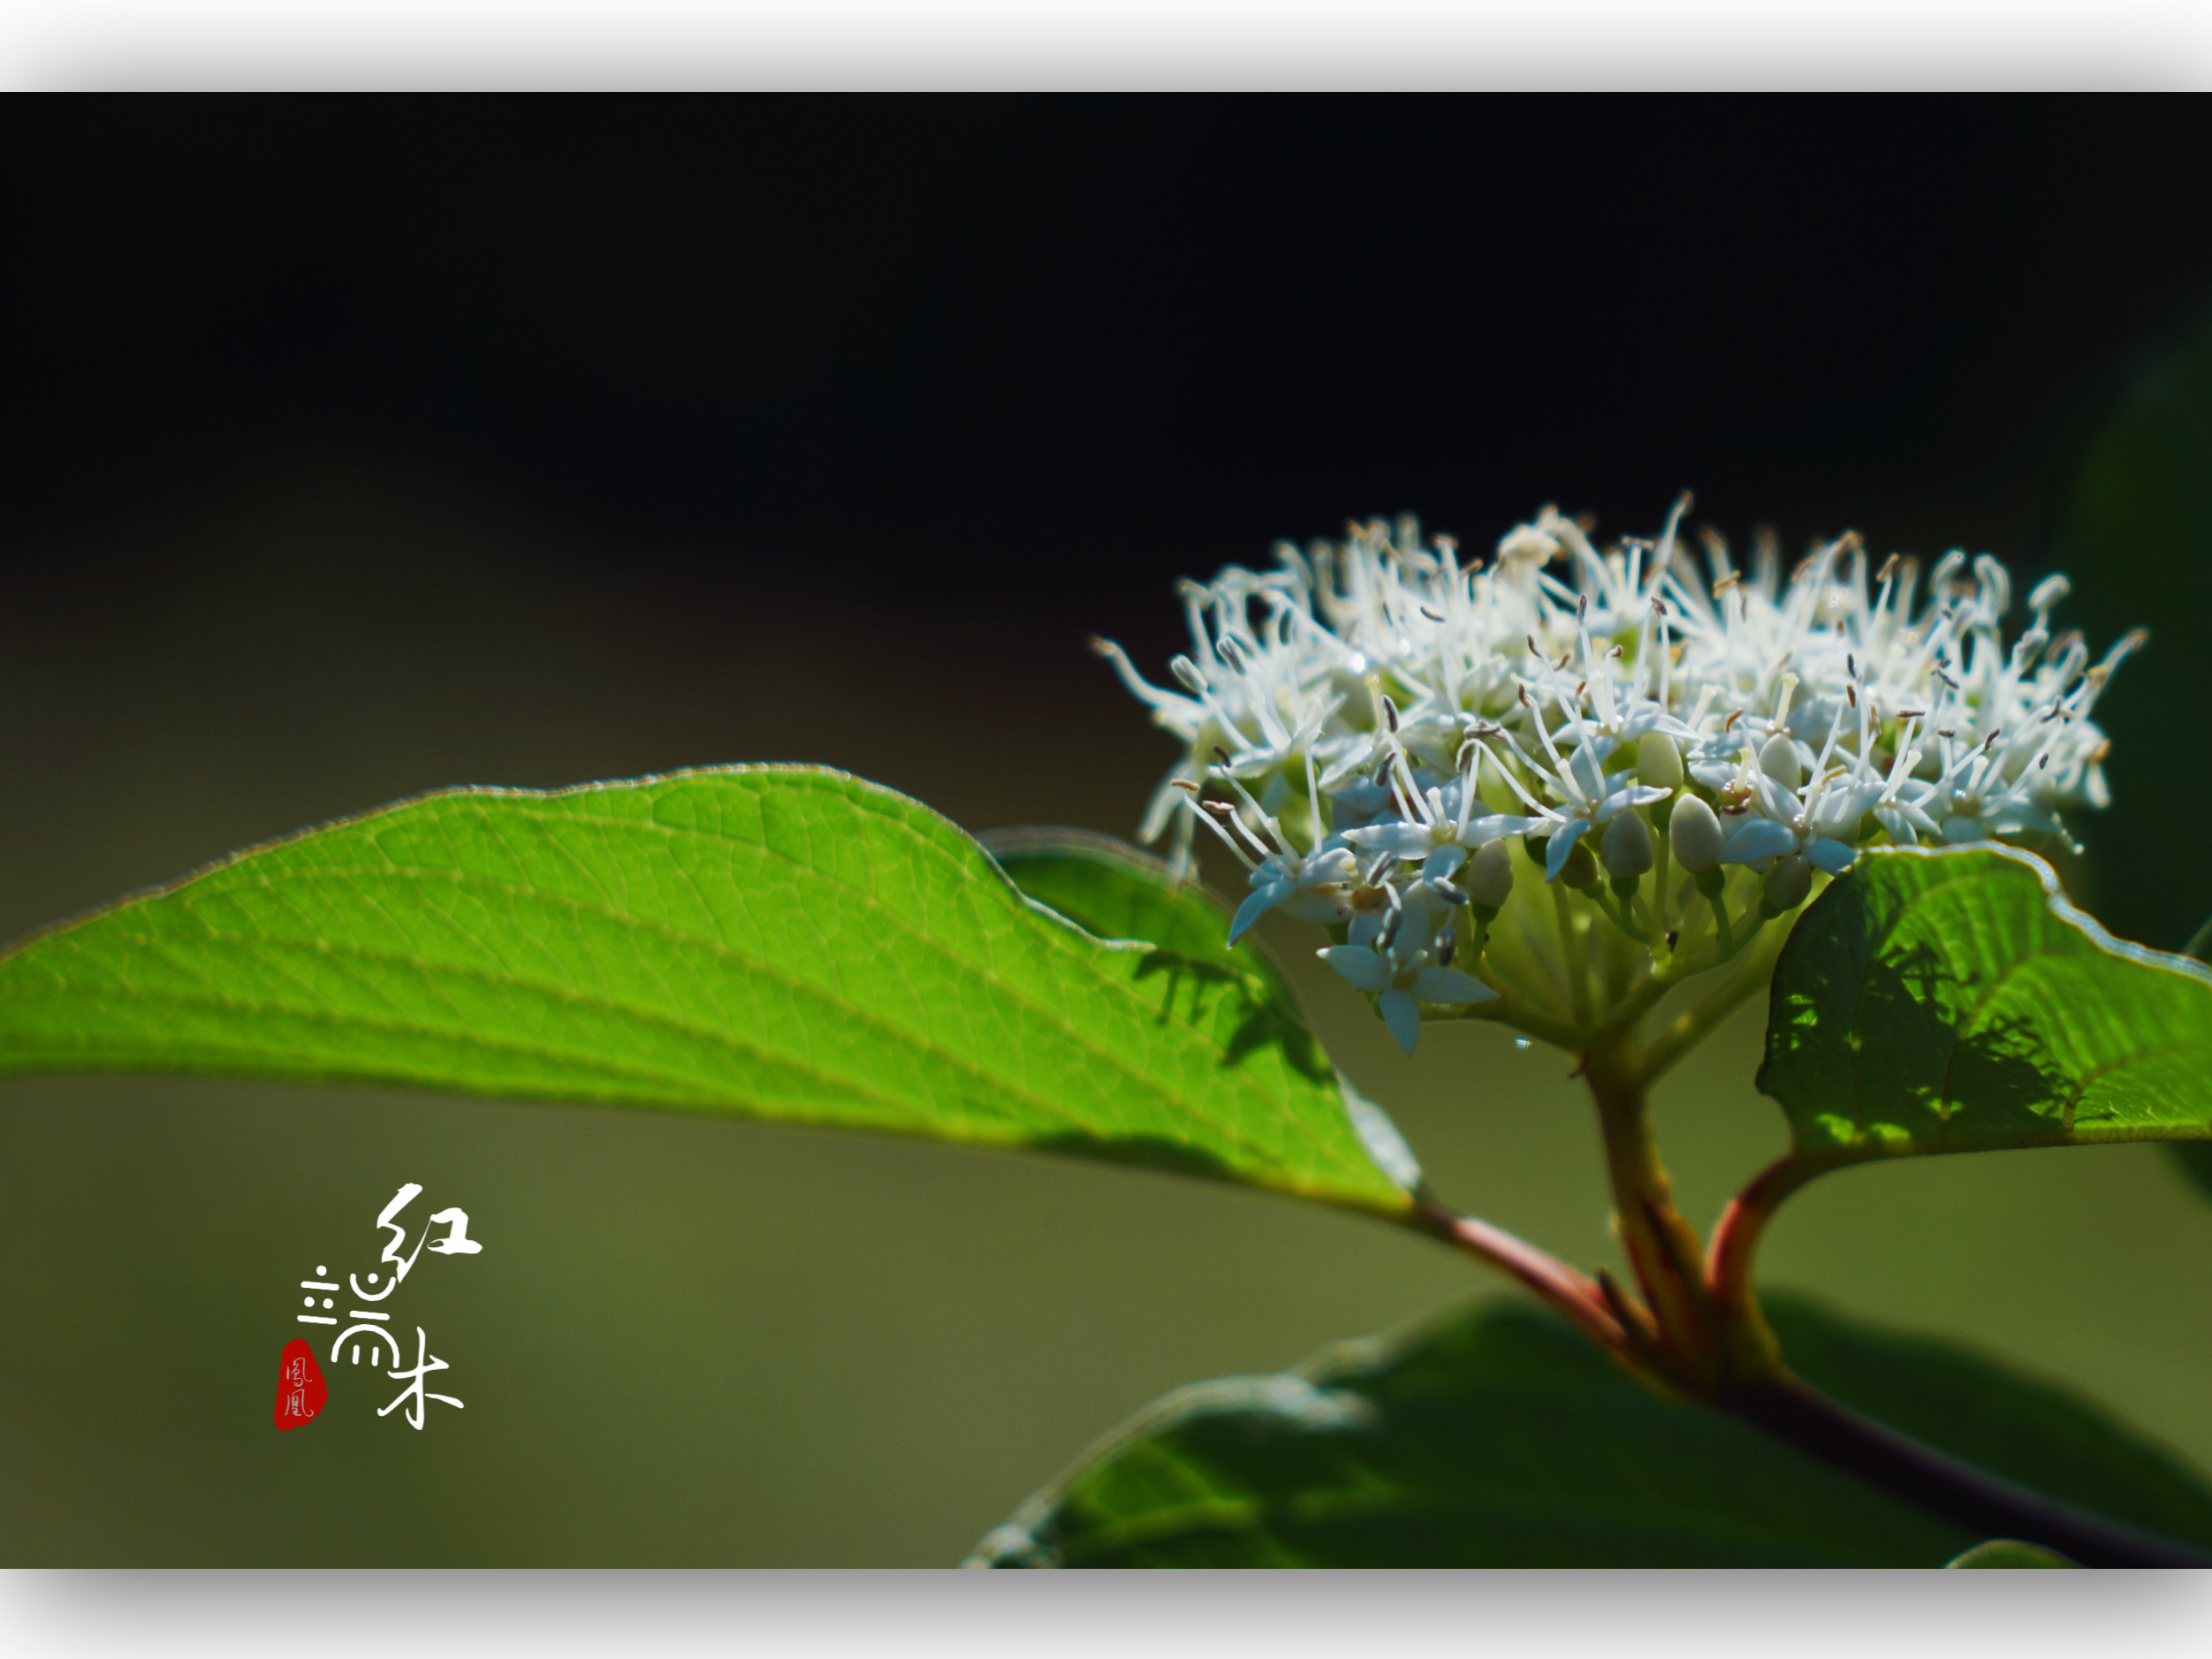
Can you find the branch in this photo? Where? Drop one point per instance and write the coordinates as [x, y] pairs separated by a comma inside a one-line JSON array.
[[1736, 1239], [1982, 1503], [1787, 1406], [1579, 1299]]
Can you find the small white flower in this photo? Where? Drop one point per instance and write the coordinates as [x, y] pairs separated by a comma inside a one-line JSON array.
[[1441, 834], [1313, 888], [1404, 984], [1590, 796], [1350, 698]]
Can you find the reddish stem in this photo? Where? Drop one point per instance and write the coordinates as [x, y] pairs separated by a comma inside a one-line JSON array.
[[1736, 1240], [1579, 1298]]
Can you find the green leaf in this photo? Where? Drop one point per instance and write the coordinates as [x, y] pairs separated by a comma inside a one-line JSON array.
[[2194, 1160], [1117, 891], [783, 942], [1498, 1437], [2132, 537], [1951, 1001], [2011, 1552]]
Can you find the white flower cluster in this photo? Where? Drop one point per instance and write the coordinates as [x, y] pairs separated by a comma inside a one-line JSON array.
[[1381, 721]]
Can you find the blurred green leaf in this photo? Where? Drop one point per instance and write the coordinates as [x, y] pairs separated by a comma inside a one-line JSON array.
[[2135, 537], [783, 942], [1497, 1436], [2194, 1159], [1950, 1000], [2011, 1552]]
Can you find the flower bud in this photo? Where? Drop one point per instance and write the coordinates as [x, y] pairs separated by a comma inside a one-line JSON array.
[[1778, 759], [1658, 762], [1489, 875], [1626, 851], [1788, 883], [1694, 832]]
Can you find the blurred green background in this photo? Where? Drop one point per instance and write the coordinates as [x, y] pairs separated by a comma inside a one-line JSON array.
[[354, 453]]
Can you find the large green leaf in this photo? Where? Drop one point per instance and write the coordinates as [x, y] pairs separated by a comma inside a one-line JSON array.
[[1951, 1001], [1117, 891], [2134, 537], [2194, 1160], [1498, 1437], [2010, 1553], [779, 941]]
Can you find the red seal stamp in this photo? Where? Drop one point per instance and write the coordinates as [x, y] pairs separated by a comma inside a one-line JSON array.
[[301, 1390]]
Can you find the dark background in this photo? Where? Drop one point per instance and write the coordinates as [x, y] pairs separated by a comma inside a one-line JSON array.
[[1047, 354], [349, 448]]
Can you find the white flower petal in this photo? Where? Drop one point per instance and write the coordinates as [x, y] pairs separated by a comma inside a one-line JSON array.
[[1831, 856], [1481, 832], [1406, 838], [1618, 802], [1327, 909], [1585, 770], [1562, 844], [1257, 903], [1449, 985], [1760, 837], [1899, 825], [1402, 1015], [1358, 964]]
